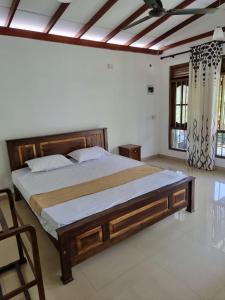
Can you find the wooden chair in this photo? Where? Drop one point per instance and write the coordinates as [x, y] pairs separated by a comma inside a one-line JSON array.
[[15, 231]]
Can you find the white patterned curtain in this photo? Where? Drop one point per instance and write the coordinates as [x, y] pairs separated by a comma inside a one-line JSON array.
[[204, 83]]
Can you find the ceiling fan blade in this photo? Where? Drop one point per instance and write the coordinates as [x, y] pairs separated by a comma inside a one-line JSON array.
[[155, 4], [137, 22], [192, 11]]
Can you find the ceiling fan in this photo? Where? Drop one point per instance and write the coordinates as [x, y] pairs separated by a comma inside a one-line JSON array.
[[157, 10]]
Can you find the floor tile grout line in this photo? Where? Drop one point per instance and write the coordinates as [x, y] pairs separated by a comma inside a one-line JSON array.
[[123, 273]]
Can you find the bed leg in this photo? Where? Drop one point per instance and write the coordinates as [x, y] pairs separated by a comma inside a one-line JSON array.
[[16, 194], [65, 260], [191, 196]]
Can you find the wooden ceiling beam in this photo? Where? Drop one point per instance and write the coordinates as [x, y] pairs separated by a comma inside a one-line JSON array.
[[158, 22], [126, 22], [72, 41], [189, 40], [182, 25], [54, 19], [95, 18], [12, 11]]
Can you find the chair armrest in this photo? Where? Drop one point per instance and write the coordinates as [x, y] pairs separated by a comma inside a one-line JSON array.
[[6, 191], [11, 204], [19, 230]]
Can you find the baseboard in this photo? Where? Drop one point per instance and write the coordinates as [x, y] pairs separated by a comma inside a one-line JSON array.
[[178, 159], [171, 158], [220, 169], [155, 156]]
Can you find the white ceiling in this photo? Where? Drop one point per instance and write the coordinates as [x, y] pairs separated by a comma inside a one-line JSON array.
[[35, 14]]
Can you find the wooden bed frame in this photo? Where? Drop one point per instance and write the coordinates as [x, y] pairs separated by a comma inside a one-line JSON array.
[[82, 239]]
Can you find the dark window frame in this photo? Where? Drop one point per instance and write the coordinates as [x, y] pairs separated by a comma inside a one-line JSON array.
[[172, 110], [220, 131]]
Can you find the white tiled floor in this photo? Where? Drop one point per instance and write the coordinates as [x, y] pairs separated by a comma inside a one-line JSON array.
[[182, 257]]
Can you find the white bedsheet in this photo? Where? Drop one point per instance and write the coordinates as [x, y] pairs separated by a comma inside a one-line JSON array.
[[68, 212]]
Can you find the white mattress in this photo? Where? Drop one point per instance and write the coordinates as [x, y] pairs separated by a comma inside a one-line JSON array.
[[62, 214]]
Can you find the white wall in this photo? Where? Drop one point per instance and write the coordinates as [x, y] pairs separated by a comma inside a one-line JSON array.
[[50, 88], [163, 108]]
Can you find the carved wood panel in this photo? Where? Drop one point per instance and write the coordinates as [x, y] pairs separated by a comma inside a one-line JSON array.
[[63, 146], [130, 221], [179, 198], [26, 152], [89, 240]]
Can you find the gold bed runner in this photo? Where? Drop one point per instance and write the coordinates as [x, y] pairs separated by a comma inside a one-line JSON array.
[[45, 200]]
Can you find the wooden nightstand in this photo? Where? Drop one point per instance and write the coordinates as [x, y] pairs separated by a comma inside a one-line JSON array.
[[131, 151]]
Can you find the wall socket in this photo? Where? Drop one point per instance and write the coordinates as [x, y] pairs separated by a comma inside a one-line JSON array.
[[150, 89]]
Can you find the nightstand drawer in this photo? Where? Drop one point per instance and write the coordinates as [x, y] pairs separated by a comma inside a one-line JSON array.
[[135, 154], [131, 151]]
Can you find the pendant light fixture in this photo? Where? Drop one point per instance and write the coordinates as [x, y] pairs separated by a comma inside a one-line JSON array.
[[64, 1], [218, 34]]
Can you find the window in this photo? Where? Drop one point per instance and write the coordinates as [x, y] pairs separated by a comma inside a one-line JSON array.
[[178, 106], [179, 109], [220, 149]]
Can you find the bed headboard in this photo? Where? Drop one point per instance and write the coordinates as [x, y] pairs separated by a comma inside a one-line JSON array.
[[20, 150]]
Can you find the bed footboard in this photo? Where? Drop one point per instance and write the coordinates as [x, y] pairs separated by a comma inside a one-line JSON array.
[[84, 238]]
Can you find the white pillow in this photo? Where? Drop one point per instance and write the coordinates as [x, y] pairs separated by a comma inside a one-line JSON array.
[[85, 154], [47, 163]]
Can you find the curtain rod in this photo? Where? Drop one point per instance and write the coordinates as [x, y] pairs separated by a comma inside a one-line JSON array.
[[183, 52]]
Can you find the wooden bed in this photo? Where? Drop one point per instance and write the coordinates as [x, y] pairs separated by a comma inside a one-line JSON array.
[[82, 239]]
